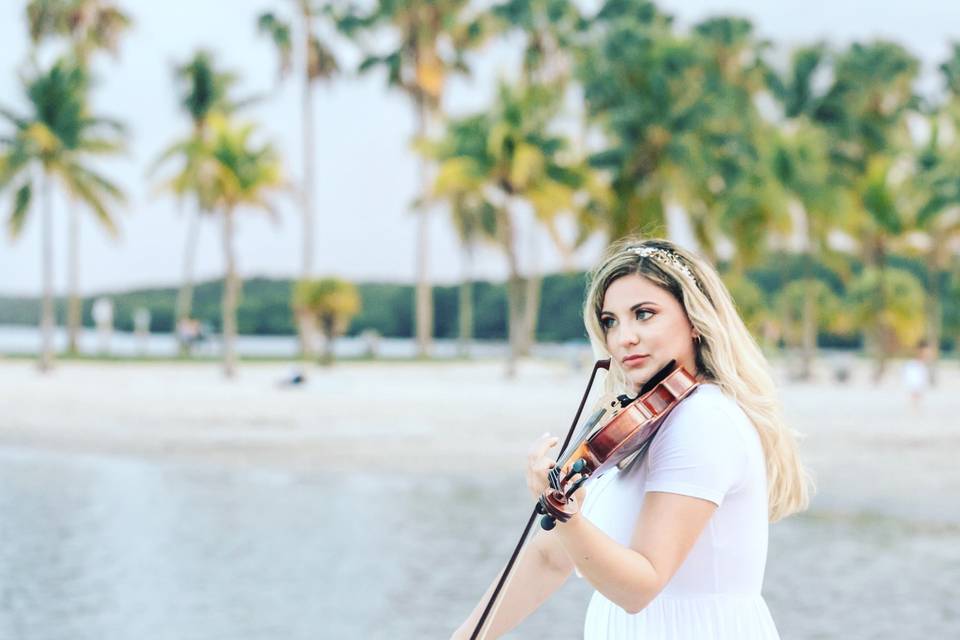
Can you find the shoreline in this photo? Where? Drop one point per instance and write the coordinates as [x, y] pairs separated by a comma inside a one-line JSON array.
[[867, 448]]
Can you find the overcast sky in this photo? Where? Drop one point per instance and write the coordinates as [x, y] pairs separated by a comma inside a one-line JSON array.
[[366, 174]]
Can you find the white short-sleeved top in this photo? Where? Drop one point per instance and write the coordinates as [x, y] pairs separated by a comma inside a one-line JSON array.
[[706, 448]]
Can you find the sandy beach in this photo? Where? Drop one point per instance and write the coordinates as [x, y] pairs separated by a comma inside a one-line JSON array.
[[864, 443], [162, 501]]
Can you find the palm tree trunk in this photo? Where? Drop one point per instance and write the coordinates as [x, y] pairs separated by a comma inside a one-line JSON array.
[[45, 362], [184, 305], [329, 324], [74, 308], [881, 330], [515, 291], [531, 297], [935, 293], [808, 345], [308, 147], [307, 187], [424, 294], [466, 302], [229, 303]]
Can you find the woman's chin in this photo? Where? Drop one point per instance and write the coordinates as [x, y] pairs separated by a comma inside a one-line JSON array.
[[636, 380]]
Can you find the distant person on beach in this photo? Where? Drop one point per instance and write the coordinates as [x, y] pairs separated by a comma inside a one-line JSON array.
[[102, 312], [189, 333], [675, 542], [916, 373], [141, 328]]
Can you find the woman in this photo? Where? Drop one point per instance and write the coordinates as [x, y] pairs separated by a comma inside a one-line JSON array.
[[675, 543]]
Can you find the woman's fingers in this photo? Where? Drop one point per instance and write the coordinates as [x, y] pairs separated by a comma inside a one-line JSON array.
[[540, 447], [538, 464]]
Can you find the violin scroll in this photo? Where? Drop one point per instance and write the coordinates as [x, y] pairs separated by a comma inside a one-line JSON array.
[[558, 503]]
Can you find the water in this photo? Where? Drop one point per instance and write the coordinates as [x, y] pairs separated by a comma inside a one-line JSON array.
[[110, 547], [24, 340]]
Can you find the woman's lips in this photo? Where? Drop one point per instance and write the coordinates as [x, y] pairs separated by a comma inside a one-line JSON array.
[[634, 360]]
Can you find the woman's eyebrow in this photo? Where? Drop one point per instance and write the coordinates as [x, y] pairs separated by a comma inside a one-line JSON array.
[[645, 303]]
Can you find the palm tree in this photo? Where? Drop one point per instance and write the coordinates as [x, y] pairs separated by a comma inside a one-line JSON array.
[[792, 303], [800, 167], [331, 303], [244, 175], [550, 31], [320, 65], [549, 28], [889, 304], [473, 216], [864, 112], [432, 36], [646, 87], [204, 91], [936, 191], [509, 156], [52, 143], [88, 26]]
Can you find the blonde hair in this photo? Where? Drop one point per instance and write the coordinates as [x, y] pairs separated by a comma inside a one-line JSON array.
[[726, 353]]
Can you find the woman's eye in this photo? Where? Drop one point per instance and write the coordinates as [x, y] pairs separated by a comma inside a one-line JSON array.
[[606, 322], [643, 314]]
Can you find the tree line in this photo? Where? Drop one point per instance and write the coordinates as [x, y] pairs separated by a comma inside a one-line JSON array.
[[771, 303]]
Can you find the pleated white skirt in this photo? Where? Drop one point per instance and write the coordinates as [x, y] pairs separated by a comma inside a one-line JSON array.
[[707, 617]]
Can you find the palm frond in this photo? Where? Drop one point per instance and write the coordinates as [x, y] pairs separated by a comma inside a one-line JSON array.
[[85, 189], [99, 183], [21, 206], [18, 121]]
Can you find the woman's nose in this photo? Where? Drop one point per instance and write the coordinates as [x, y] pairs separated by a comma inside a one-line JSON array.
[[628, 335]]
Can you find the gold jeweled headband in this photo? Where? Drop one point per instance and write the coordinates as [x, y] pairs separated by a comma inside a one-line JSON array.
[[667, 257]]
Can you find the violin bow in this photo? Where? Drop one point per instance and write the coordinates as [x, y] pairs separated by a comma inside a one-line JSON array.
[[506, 575]]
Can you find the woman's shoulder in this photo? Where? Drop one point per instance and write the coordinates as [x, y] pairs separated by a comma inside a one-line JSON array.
[[709, 400], [702, 448], [708, 416]]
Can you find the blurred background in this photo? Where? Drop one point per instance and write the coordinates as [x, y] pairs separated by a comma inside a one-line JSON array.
[[287, 287]]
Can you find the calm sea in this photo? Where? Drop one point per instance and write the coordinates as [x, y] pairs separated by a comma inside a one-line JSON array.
[[96, 548]]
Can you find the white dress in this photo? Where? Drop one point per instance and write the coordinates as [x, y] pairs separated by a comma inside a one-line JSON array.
[[706, 448]]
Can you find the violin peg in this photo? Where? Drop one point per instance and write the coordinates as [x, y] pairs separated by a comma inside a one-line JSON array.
[[547, 523]]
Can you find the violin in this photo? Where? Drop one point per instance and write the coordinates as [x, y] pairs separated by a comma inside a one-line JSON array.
[[628, 429], [617, 433]]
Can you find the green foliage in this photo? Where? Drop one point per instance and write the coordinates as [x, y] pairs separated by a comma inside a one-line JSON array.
[[891, 302], [331, 302], [749, 300], [88, 25], [561, 308], [421, 63], [58, 135], [388, 308], [830, 313]]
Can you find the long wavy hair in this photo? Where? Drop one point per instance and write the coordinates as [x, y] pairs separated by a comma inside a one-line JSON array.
[[726, 354]]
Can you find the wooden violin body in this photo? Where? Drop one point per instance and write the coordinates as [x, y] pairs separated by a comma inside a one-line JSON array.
[[627, 430]]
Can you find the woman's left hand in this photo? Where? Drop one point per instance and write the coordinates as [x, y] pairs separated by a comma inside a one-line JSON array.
[[539, 464]]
